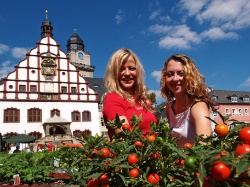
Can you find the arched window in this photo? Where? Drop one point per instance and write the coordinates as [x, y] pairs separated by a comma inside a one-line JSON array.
[[87, 132], [86, 115], [78, 134], [75, 116], [37, 135], [11, 115], [34, 115], [55, 111], [10, 134]]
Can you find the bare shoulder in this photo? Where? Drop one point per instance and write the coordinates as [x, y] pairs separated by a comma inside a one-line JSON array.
[[200, 104], [168, 107], [200, 108]]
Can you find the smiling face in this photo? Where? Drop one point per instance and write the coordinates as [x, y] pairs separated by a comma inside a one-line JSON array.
[[175, 79], [127, 75]]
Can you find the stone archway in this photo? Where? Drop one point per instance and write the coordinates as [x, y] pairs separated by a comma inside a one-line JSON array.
[[57, 129]]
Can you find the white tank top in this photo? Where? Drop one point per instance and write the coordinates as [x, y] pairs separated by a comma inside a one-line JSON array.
[[183, 126]]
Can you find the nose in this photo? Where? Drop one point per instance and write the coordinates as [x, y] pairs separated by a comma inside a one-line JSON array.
[[127, 71], [176, 78]]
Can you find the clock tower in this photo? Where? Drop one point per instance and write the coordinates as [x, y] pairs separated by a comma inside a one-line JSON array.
[[78, 57]]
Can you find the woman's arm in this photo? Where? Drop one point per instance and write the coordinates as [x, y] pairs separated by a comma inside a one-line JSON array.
[[198, 115]]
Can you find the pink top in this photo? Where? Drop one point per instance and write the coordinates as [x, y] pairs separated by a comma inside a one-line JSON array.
[[183, 127], [116, 104]]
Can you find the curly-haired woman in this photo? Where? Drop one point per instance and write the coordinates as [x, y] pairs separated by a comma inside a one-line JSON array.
[[126, 92], [188, 104]]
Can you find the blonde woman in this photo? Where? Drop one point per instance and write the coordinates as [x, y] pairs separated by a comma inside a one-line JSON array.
[[188, 103], [126, 92]]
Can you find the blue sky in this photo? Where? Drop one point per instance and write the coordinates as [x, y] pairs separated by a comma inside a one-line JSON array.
[[214, 33]]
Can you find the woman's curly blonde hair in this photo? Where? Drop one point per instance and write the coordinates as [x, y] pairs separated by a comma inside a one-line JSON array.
[[195, 81], [112, 83]]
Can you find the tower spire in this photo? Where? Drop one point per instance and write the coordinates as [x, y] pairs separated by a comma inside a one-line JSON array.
[[46, 26], [46, 12]]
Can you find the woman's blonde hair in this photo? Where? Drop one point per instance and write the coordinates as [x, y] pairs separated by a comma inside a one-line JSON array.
[[195, 81], [112, 83]]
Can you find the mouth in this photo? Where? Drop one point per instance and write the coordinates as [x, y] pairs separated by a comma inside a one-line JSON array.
[[127, 81], [176, 85]]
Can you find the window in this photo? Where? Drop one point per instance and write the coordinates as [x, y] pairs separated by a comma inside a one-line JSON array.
[[227, 111], [77, 134], [234, 99], [215, 113], [100, 106], [87, 132], [73, 89], [75, 115], [240, 112], [22, 88], [246, 99], [10, 134], [86, 116], [234, 112], [11, 115], [64, 89], [105, 134], [34, 115], [231, 126], [32, 88], [37, 135], [55, 111], [246, 112], [214, 98], [102, 121]]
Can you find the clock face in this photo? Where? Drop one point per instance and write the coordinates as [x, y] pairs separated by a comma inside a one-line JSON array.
[[80, 55]]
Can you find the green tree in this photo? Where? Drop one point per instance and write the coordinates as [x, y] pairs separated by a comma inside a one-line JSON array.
[[152, 97]]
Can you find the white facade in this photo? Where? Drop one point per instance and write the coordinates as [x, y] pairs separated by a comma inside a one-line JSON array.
[[45, 81]]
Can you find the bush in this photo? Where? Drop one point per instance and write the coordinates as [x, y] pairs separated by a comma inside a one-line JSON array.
[[154, 159]]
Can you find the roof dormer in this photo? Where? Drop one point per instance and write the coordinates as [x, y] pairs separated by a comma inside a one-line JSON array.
[[233, 98]]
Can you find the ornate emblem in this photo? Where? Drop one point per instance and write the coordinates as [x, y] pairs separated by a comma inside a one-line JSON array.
[[49, 67]]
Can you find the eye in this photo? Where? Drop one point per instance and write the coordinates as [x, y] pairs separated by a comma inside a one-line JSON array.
[[122, 69], [169, 74], [181, 74], [132, 68]]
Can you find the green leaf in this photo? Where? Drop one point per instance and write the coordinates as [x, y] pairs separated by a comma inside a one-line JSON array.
[[242, 167]]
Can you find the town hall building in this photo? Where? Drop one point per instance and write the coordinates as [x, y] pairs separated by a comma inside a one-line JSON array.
[[48, 95]]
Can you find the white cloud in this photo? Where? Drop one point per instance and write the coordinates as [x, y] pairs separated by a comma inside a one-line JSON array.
[[155, 14], [119, 17], [19, 52], [5, 69], [159, 29], [219, 18], [192, 6], [156, 75], [165, 18], [175, 43], [246, 82], [229, 14], [218, 33], [6, 63], [178, 37], [3, 48]]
